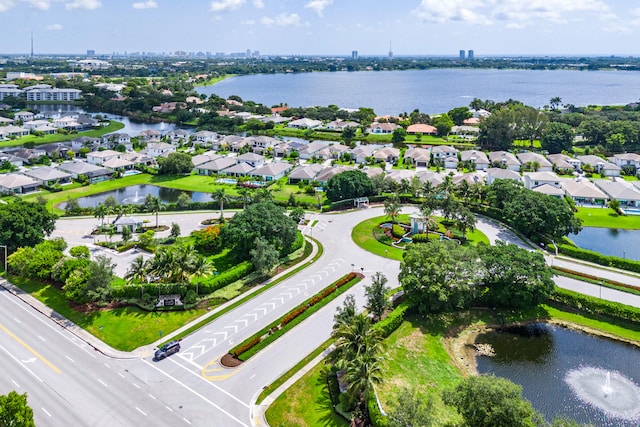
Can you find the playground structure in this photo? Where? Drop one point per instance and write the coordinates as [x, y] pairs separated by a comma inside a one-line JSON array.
[[417, 227]]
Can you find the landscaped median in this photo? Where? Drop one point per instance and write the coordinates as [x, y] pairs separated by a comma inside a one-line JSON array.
[[252, 345]]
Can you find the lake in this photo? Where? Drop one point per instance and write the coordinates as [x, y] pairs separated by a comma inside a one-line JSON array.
[[135, 194], [564, 373], [431, 91], [609, 241]]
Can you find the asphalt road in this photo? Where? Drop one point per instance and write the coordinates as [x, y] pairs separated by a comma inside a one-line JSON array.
[[68, 381]]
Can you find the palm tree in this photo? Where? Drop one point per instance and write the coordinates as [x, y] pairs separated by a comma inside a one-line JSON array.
[[245, 193], [100, 212], [362, 373], [154, 205], [138, 270], [220, 197], [464, 191], [405, 186], [392, 208], [201, 267], [429, 221]]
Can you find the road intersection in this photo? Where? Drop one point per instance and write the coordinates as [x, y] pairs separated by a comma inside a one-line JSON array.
[[68, 381]]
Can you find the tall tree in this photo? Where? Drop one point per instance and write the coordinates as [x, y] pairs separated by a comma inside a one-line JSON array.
[[153, 205], [14, 411], [411, 410], [349, 185], [376, 294], [557, 137], [459, 115], [264, 256], [24, 224], [220, 197], [392, 208]]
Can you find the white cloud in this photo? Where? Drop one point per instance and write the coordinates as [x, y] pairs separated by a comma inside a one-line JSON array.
[[6, 5], [258, 4], [558, 11], [225, 5], [318, 6], [39, 4], [282, 20], [249, 22], [441, 11], [84, 4], [149, 4], [54, 27]]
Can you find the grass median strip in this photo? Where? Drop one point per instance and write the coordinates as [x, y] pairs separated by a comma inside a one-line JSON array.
[[622, 287], [264, 288], [252, 345]]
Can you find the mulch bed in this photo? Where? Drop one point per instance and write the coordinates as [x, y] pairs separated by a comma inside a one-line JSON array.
[[228, 361]]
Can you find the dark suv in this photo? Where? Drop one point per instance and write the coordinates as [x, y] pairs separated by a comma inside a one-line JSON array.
[[167, 350]]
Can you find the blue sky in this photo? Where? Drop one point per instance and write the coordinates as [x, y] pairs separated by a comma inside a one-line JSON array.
[[324, 27]]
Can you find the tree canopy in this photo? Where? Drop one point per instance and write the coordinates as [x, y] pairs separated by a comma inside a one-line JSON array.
[[175, 164], [14, 411], [349, 185], [557, 137], [24, 224]]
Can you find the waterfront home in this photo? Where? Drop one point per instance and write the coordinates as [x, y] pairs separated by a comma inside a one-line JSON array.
[[67, 123], [340, 125], [600, 165], [78, 167], [46, 129], [305, 173], [23, 116], [203, 158], [465, 131], [85, 142], [255, 160], [417, 156], [499, 173], [304, 123], [583, 192], [99, 157], [48, 176], [29, 155], [533, 180], [272, 171], [287, 147], [15, 161], [504, 159], [148, 134], [477, 160], [56, 149], [14, 183], [33, 124], [387, 154], [422, 128], [5, 121], [262, 144], [239, 169], [310, 150], [214, 167], [624, 192], [536, 161], [205, 137], [382, 128], [12, 131], [362, 152], [161, 149]]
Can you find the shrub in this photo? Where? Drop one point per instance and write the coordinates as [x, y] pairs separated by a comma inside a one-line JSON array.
[[596, 306], [397, 231], [393, 320], [598, 258], [246, 346]]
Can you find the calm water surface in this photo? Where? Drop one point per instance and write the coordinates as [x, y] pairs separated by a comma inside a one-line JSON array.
[[609, 241], [432, 91], [135, 194], [539, 365]]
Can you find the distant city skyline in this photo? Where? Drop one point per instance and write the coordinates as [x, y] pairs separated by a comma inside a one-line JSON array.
[[323, 27]]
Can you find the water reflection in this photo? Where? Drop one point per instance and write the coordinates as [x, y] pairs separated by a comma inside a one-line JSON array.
[[135, 194]]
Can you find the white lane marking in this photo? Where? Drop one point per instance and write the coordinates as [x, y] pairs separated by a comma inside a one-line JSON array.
[[46, 412], [212, 384], [152, 396], [41, 338], [102, 382], [107, 365], [33, 359], [186, 420], [196, 393], [141, 411], [16, 384], [23, 365], [69, 358], [136, 385], [252, 376], [16, 319], [170, 410], [120, 373]]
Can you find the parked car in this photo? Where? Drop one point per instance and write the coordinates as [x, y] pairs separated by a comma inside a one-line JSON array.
[[167, 350]]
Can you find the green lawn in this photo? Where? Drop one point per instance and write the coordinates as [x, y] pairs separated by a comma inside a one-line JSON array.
[[58, 137], [122, 328], [605, 217], [305, 404], [362, 234]]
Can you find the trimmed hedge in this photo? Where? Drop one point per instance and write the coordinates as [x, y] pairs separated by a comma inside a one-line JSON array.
[[279, 327], [397, 231], [598, 258], [595, 306], [393, 320], [375, 416], [596, 278]]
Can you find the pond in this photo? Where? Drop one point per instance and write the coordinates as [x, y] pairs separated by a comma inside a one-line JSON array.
[[609, 241], [568, 373], [135, 194]]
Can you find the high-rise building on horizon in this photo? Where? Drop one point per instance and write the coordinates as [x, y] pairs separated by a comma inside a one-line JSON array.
[[390, 51], [354, 55], [91, 52], [470, 54], [461, 54]]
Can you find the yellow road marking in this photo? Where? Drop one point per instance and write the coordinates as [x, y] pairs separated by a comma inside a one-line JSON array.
[[209, 370], [35, 353]]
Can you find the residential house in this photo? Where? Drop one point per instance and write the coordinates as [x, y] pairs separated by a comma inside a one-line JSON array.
[[624, 192], [205, 137], [118, 164], [178, 136], [422, 128], [401, 174], [112, 140], [85, 142], [23, 116], [161, 149], [255, 160], [362, 152], [77, 168], [584, 192], [46, 129], [238, 146], [445, 155], [372, 172], [239, 169], [549, 190], [504, 159], [148, 134], [305, 173], [340, 125], [465, 131], [304, 123], [477, 160], [285, 148], [434, 178], [99, 157], [48, 176], [138, 158], [29, 155], [328, 172], [203, 158], [33, 124], [87, 122], [67, 123], [14, 183], [499, 173], [564, 163], [417, 156], [12, 131], [387, 154], [533, 180], [309, 150], [263, 144], [272, 171], [600, 165], [56, 149], [336, 150], [168, 107], [15, 161], [630, 161], [382, 128], [536, 161], [469, 178], [5, 121], [214, 167]]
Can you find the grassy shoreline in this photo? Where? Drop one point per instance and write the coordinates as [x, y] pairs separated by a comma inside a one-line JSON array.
[[113, 126], [607, 218], [213, 80]]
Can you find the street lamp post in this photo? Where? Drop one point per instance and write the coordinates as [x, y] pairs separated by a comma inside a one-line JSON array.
[[601, 283]]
